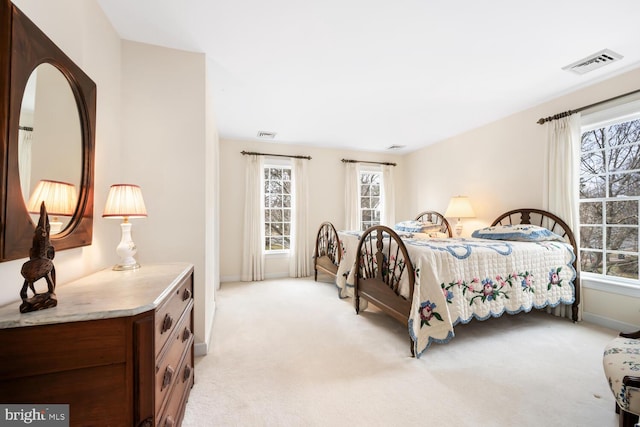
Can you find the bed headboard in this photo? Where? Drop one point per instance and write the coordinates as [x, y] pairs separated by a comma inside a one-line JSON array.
[[435, 218], [541, 218]]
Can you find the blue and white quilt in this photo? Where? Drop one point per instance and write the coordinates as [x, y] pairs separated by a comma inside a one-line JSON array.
[[458, 279]]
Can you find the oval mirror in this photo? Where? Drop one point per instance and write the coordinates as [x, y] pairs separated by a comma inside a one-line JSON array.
[[50, 147]]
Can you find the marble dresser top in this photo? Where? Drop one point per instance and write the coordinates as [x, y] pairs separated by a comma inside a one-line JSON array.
[[102, 295]]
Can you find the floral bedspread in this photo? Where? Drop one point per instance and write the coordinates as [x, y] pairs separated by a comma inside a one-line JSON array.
[[458, 279]]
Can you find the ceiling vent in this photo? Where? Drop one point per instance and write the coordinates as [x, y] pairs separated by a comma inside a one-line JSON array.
[[395, 147], [268, 135], [592, 62]]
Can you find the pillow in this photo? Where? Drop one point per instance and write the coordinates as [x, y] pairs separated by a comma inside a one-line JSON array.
[[417, 226], [519, 232]]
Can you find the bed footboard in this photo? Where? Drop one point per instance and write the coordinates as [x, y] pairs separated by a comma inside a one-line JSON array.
[[328, 250], [383, 271]]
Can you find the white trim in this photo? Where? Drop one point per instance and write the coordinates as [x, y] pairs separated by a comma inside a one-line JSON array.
[[609, 323], [607, 285], [200, 349]]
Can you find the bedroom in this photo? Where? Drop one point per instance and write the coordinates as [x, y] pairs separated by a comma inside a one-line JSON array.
[[177, 164]]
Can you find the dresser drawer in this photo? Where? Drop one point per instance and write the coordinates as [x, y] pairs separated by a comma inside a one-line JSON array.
[[168, 367], [61, 347], [171, 310], [173, 413]]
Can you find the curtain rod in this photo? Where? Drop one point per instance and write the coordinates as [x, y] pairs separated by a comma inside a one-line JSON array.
[[246, 153], [28, 128], [570, 112], [364, 161]]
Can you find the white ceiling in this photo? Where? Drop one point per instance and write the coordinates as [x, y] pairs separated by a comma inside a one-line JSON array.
[[367, 74]]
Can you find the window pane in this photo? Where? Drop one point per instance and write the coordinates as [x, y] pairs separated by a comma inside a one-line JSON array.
[[591, 262], [286, 187], [375, 202], [592, 187], [622, 265], [592, 140], [365, 203], [286, 201], [622, 239], [275, 173], [286, 215], [277, 243], [286, 243], [366, 215], [591, 237], [591, 213], [625, 157], [624, 133], [593, 163], [276, 229], [286, 229], [625, 184], [286, 174], [622, 212]]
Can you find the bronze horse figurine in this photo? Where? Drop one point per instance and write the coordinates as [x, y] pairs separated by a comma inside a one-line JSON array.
[[39, 266]]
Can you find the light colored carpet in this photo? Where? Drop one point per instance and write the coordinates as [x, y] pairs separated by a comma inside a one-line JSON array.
[[291, 353]]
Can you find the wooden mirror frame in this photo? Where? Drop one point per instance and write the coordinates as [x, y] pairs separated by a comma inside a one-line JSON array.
[[23, 46]]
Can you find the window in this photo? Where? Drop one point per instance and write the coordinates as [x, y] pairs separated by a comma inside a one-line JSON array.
[[370, 200], [277, 208], [609, 199]]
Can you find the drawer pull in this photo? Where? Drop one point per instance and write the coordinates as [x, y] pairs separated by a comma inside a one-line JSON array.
[[186, 334], [169, 422], [166, 323], [167, 377], [187, 373], [186, 294]]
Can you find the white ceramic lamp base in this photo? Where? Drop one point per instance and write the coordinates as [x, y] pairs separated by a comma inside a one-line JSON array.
[[126, 249]]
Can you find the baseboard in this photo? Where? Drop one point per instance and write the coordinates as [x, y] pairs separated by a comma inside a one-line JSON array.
[[200, 349], [227, 279], [608, 323]]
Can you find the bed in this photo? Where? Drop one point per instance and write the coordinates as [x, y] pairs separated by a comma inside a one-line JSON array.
[[328, 250], [430, 285]]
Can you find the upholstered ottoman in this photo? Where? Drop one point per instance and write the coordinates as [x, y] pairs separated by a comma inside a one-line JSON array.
[[621, 363]]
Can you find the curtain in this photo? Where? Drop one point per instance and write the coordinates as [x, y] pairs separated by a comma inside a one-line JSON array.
[[253, 239], [299, 262], [563, 169], [388, 200], [25, 139], [352, 196]]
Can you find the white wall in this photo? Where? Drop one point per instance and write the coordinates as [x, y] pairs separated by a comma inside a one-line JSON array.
[[326, 196], [501, 166], [164, 112]]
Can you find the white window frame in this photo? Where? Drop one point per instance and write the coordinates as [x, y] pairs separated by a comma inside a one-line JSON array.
[[370, 169], [278, 163], [606, 116]]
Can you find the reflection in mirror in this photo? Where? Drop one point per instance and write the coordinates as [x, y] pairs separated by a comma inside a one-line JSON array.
[[50, 146]]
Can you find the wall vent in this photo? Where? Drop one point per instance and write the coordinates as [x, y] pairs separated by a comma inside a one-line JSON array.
[[592, 62], [395, 147], [264, 134]]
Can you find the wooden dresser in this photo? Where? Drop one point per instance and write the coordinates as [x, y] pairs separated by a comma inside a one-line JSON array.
[[118, 348]]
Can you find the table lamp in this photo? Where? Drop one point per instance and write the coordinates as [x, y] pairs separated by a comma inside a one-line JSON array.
[[60, 199], [459, 207], [125, 201]]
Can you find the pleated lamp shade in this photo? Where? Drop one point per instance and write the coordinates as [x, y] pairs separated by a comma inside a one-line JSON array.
[[60, 198], [125, 201]]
